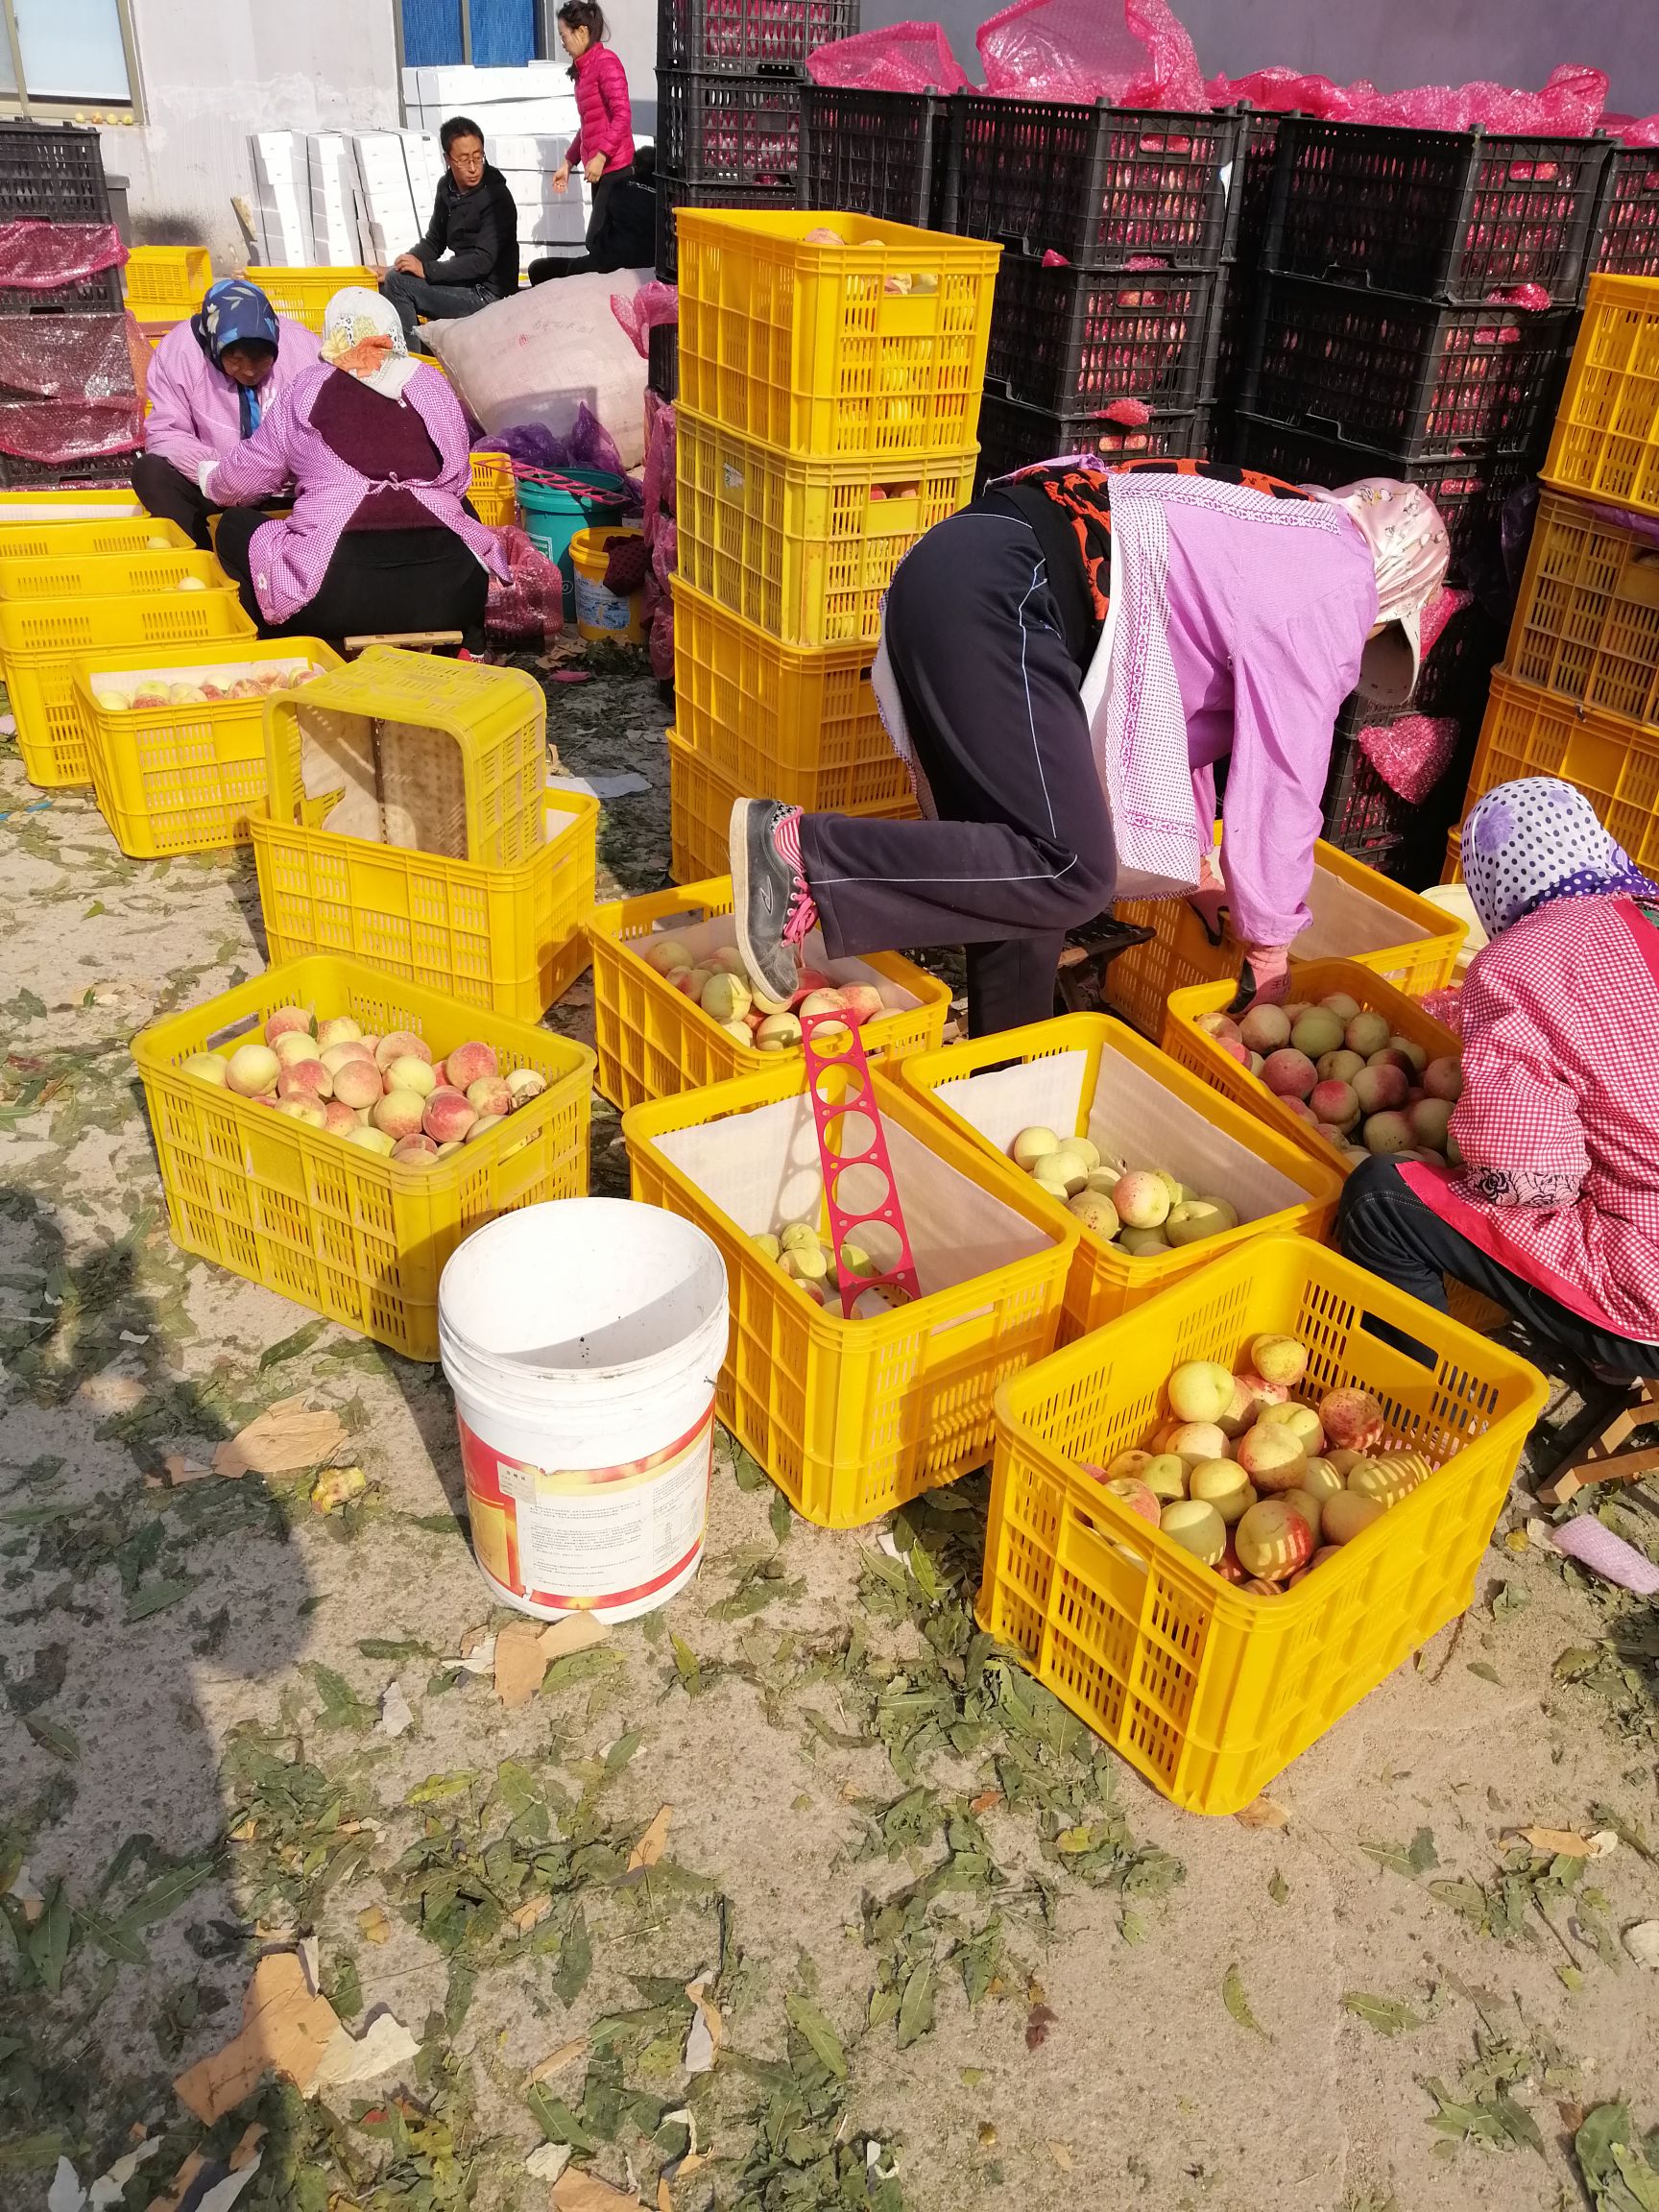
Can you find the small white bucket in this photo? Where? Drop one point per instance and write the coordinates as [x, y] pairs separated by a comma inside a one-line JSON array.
[[582, 1340]]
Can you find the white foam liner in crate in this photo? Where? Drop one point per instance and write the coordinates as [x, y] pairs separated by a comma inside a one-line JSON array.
[[1132, 1117], [761, 1168], [1346, 922], [719, 932]]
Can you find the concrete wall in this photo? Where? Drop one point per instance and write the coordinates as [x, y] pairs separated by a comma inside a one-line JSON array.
[[212, 71], [1401, 43]]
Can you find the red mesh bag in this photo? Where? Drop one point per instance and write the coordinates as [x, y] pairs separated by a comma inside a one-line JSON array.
[[639, 314], [529, 608], [903, 57], [1133, 52], [42, 257]]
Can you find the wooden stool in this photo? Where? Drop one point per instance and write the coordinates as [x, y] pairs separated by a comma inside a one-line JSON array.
[[1590, 1451], [410, 641]]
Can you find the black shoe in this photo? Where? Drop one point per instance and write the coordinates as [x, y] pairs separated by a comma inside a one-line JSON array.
[[770, 901]]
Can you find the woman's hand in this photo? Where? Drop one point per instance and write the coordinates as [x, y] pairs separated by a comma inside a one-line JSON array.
[[595, 169], [562, 179], [1263, 979]]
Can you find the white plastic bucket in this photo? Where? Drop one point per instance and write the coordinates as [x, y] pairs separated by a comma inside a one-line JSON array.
[[582, 1340]]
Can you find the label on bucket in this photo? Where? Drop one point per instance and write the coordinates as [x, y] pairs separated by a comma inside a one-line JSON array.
[[587, 1536], [599, 609]]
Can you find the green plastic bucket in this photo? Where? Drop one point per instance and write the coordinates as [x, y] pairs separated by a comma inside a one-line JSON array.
[[552, 515]]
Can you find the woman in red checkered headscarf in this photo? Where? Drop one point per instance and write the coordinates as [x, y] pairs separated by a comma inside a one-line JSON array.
[[1552, 1204]]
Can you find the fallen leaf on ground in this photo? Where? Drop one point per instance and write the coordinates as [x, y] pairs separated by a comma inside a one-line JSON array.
[[519, 1663], [530, 1912], [337, 1486], [1061, 2153], [395, 1713], [112, 1393], [180, 1469], [584, 2192], [285, 1439], [1642, 1942], [1264, 1812], [707, 2032], [1567, 1843], [1237, 2003], [384, 2043], [654, 1842], [285, 2030], [555, 2061], [373, 1924], [576, 1632], [984, 1802], [1038, 2022]]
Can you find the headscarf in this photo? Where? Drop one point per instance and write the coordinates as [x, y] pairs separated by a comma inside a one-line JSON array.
[[363, 334], [1409, 551], [234, 313], [1536, 840]]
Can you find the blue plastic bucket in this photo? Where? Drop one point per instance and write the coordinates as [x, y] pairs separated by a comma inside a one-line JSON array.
[[552, 515]]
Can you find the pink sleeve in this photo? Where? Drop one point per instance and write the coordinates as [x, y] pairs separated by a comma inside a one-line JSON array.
[[573, 152], [259, 466], [170, 429], [1517, 1122], [611, 79], [441, 412], [1288, 682]]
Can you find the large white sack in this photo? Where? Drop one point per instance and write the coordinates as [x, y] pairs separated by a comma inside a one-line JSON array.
[[541, 355]]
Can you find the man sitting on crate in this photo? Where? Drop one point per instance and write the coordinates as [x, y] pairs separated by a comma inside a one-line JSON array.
[[470, 254]]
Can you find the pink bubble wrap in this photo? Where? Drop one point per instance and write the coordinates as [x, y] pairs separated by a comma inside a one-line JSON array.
[[639, 312], [1412, 754], [41, 256], [1133, 52], [529, 608], [1570, 106], [903, 58], [66, 357], [1445, 1007], [54, 431]]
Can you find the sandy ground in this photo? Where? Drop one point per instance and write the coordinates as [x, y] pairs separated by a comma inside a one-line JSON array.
[[962, 1956]]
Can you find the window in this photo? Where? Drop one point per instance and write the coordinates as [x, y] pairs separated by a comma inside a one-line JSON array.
[[487, 33], [59, 54]]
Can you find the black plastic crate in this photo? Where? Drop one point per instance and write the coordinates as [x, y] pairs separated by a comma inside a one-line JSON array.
[[662, 359], [892, 154], [1076, 341], [52, 173], [1106, 188], [1469, 490], [1380, 369], [102, 469], [676, 192], [98, 294], [1451, 215], [1252, 190], [1627, 225], [727, 129], [758, 37], [1012, 436]]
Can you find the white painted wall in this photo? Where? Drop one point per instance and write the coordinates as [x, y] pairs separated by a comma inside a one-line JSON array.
[[214, 70]]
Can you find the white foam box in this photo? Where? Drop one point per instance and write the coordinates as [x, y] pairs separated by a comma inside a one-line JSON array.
[[333, 213], [526, 118], [463, 85]]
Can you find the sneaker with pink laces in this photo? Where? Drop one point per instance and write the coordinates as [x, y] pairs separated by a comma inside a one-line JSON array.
[[773, 907]]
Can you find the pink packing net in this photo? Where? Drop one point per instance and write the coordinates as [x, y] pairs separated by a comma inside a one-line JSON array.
[[66, 357], [903, 57], [40, 256], [640, 312], [1133, 52], [54, 431], [1570, 106], [529, 608], [656, 601]]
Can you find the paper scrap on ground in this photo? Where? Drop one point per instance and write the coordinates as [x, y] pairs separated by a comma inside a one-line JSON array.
[[1568, 1843], [583, 2193], [1262, 1812], [285, 2030], [178, 1469], [285, 1439], [707, 2032], [654, 1842], [1642, 1942], [477, 1654], [548, 2161], [618, 786], [384, 2043], [555, 2061], [395, 1713], [525, 1650], [109, 2188]]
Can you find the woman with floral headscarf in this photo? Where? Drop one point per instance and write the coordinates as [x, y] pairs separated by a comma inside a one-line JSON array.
[[210, 380], [380, 538], [1551, 1205], [1062, 667]]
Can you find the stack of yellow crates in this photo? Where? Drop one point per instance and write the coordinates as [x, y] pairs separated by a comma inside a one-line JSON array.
[[830, 368], [1579, 693]]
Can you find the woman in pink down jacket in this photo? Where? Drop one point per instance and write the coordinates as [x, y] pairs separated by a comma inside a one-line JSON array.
[[379, 539], [604, 144]]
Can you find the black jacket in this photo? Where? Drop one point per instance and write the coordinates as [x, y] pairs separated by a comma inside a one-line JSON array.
[[474, 236]]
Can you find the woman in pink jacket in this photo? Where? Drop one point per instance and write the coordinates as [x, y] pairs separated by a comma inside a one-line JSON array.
[[210, 381], [380, 538], [604, 142]]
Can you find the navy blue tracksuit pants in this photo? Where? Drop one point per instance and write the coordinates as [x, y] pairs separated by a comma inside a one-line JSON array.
[[1023, 850]]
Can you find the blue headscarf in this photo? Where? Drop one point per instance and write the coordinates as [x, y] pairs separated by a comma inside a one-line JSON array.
[[1533, 841], [233, 312]]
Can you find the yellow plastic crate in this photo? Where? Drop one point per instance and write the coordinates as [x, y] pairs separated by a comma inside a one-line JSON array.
[[1358, 915], [803, 549], [443, 757], [1586, 625], [345, 1232], [110, 575], [165, 283], [797, 723], [852, 1418], [1606, 443], [1209, 1690], [185, 777], [495, 490], [67, 541], [510, 939], [305, 292], [1088, 1076], [700, 812], [1192, 1049], [1453, 871], [40, 642], [1615, 762], [654, 1041], [91, 504], [808, 347]]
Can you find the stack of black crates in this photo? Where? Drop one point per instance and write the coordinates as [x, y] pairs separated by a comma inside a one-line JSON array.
[[54, 173], [729, 77]]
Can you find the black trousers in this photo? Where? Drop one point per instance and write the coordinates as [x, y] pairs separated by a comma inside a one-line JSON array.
[[613, 242], [172, 497], [1383, 1226], [1023, 850], [415, 297], [378, 580]]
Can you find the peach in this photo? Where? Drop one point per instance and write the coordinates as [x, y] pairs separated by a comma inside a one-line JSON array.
[[1228, 1567], [294, 1045], [1197, 1528], [1032, 1144], [1273, 1458], [470, 1064], [1196, 1218], [864, 1002], [727, 997], [1126, 1465], [1317, 1032], [1273, 1540], [1302, 1111], [1221, 1027], [206, 1068], [831, 1002], [1386, 1133], [338, 1120], [1265, 1029], [309, 1079], [395, 1043], [1280, 1359], [1320, 1480], [1302, 1422], [1194, 1440], [1136, 1497], [1443, 1078], [664, 953], [1346, 1515], [482, 1127], [448, 1117], [1411, 1050], [1351, 1419], [408, 1074], [1096, 1212], [1251, 1392], [690, 981], [740, 1033], [1342, 1004], [1200, 1391], [357, 1083], [725, 960], [1165, 1477], [1141, 1200], [1430, 1118], [399, 1114], [489, 1095], [1367, 1033], [1255, 1063], [310, 1111], [1338, 1067], [335, 1056], [1224, 1485], [341, 1029], [1380, 1089], [1235, 1048], [778, 1033], [1335, 1104], [1388, 1479], [416, 1147], [287, 1022], [1061, 1170], [370, 1140], [1389, 1058], [371, 1039], [1289, 1073], [252, 1071], [1140, 1243], [1309, 1506], [811, 979], [523, 1085]]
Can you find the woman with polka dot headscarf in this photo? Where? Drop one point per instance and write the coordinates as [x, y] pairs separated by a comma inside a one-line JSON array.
[[1552, 1203]]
